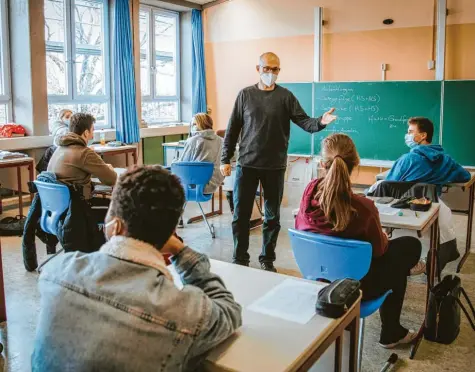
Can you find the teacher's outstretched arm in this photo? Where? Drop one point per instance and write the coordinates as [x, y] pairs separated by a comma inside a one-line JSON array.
[[308, 124]]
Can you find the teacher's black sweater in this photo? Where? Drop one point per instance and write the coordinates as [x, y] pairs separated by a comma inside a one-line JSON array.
[[261, 122]]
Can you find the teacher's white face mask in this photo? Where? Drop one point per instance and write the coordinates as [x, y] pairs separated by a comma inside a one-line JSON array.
[[268, 78]]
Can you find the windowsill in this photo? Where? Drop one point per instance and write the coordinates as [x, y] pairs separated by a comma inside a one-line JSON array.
[[36, 142]]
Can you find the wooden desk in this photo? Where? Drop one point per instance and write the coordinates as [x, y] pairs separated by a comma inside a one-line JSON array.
[[424, 222], [18, 163], [109, 150], [266, 343], [470, 187], [172, 152]]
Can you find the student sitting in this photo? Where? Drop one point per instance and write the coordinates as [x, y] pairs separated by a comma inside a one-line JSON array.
[[61, 126], [204, 145], [330, 207], [426, 162], [74, 162], [118, 309], [429, 163]]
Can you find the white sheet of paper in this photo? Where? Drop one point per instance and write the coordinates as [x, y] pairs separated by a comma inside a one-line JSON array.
[[387, 210], [291, 300]]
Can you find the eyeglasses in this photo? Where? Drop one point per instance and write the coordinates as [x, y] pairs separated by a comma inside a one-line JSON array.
[[270, 69]]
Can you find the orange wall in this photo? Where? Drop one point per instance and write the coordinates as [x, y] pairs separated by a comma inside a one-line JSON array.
[[355, 43]]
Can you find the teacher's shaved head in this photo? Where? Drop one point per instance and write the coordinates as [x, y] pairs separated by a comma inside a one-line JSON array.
[[269, 58]]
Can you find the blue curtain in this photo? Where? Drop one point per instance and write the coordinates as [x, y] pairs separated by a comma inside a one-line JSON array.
[[126, 119], [198, 63]]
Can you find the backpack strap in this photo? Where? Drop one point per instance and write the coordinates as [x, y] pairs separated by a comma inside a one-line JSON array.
[[464, 309]]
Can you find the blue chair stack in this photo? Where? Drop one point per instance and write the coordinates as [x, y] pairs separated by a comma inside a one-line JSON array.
[[194, 177], [55, 200], [330, 258]]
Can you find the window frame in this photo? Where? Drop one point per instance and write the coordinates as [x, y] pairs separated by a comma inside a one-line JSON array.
[[73, 97], [152, 97], [5, 98]]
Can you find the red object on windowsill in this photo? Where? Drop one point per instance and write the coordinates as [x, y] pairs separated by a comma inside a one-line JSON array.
[[12, 130]]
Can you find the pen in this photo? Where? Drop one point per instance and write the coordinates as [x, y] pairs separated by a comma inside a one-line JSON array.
[[416, 214]]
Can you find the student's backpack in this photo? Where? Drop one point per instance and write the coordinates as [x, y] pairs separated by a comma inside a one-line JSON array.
[[12, 226], [442, 322]]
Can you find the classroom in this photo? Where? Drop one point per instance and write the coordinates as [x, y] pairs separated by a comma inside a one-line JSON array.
[[237, 185]]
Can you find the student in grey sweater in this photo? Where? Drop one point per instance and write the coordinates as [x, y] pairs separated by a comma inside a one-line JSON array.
[[261, 122], [204, 145], [60, 127]]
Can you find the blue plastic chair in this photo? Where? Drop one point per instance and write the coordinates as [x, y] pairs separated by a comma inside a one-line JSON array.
[[194, 177], [330, 258], [55, 200]]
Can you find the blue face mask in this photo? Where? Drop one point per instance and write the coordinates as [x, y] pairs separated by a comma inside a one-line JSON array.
[[410, 142], [66, 121], [90, 142]]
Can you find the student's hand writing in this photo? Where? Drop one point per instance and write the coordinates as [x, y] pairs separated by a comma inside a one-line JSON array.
[[328, 117], [173, 246], [226, 170]]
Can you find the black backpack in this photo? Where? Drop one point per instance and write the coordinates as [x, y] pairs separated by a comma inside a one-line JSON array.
[[442, 322]]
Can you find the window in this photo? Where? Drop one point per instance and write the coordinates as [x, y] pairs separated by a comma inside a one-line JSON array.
[[4, 67], [77, 58], [159, 65]]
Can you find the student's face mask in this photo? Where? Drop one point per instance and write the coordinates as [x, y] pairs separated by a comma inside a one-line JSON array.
[[410, 142], [268, 78], [194, 129]]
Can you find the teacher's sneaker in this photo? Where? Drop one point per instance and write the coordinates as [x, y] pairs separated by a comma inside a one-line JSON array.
[[408, 339], [268, 266], [420, 268]]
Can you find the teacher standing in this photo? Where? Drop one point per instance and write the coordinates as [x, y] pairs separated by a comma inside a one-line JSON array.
[[261, 122]]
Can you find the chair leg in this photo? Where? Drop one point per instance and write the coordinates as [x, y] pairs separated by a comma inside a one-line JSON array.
[[360, 346], [49, 259], [181, 223], [210, 227]]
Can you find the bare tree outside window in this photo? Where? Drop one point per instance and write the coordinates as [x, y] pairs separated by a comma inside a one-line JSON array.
[[158, 65], [75, 57]]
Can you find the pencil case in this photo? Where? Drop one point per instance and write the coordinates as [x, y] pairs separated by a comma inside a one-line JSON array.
[[335, 299]]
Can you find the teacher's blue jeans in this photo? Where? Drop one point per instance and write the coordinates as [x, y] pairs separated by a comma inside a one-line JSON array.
[[245, 187]]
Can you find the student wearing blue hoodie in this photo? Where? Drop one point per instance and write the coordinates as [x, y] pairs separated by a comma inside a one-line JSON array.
[[429, 163], [426, 162]]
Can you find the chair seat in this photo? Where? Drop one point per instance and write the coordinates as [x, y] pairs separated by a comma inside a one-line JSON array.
[[370, 306]]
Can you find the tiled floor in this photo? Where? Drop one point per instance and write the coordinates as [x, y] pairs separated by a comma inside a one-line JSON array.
[[22, 296]]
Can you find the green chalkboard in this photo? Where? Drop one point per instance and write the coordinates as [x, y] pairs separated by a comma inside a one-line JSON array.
[[374, 114], [458, 131], [300, 141]]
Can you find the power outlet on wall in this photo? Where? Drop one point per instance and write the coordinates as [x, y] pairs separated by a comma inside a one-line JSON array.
[[431, 64]]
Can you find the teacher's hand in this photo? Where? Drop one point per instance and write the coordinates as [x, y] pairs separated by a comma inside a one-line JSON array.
[[328, 117], [226, 170]]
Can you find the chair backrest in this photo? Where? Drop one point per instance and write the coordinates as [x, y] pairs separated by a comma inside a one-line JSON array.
[[327, 257], [54, 202], [194, 176]]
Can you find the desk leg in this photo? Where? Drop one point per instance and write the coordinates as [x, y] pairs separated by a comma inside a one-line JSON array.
[[126, 159], [338, 353], [32, 178], [20, 196], [220, 200], [468, 243], [434, 245], [354, 343], [134, 156], [3, 310]]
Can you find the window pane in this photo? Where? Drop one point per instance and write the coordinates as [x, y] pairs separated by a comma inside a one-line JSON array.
[[98, 110], [144, 53], [54, 21], [89, 43], [56, 73], [3, 114], [90, 74], [160, 112], [165, 55]]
